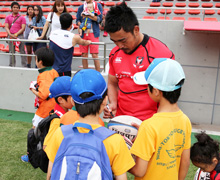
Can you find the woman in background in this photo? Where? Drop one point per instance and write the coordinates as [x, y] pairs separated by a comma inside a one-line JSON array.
[[29, 23], [53, 17], [38, 24]]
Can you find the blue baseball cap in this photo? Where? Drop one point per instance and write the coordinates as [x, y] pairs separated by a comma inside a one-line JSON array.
[[87, 80], [60, 87], [163, 74]]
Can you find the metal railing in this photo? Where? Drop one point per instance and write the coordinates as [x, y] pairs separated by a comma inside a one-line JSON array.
[[13, 54]]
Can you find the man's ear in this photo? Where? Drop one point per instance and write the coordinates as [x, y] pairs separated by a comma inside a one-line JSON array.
[[136, 30]]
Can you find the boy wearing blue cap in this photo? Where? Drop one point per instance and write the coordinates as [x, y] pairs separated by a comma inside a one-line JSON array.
[[60, 91], [162, 146], [89, 93]]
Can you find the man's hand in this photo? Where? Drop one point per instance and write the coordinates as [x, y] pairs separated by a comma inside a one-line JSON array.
[[13, 36], [108, 110]]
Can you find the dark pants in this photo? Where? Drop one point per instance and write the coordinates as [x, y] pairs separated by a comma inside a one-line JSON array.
[[67, 73]]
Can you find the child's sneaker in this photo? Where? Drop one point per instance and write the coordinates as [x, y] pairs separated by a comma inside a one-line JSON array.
[[25, 158]]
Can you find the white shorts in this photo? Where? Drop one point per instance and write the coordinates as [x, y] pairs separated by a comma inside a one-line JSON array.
[[36, 120]]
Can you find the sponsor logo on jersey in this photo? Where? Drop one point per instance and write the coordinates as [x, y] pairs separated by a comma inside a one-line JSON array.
[[118, 60]]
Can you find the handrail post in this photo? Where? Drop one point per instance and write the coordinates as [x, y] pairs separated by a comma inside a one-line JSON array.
[[104, 56], [13, 54]]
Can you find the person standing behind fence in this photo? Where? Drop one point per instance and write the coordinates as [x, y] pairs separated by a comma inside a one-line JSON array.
[[29, 16], [38, 24], [53, 18], [62, 43], [15, 26], [93, 36]]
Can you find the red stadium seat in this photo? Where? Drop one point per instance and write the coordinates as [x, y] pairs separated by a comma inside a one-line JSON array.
[[8, 4], [2, 16], [68, 3], [155, 4], [23, 10], [2, 46], [148, 17], [118, 3], [2, 4], [179, 18], [152, 11], [74, 17], [209, 12], [3, 34], [25, 4], [217, 5], [46, 4], [193, 5], [2, 25], [216, 0], [180, 4], [75, 10], [194, 11], [77, 3], [167, 4], [194, 19], [207, 5], [77, 52], [109, 3], [70, 10], [165, 11], [193, 0], [179, 11], [75, 26], [205, 0], [46, 9], [6, 49], [5, 10], [163, 18], [36, 3], [45, 15], [210, 19]]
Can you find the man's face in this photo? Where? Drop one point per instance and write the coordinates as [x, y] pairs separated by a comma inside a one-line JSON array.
[[126, 41], [15, 9]]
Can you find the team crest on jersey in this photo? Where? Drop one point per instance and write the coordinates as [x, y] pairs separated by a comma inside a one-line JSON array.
[[118, 59], [138, 62]]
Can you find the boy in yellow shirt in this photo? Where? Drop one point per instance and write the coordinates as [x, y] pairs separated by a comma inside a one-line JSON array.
[[162, 146], [89, 92]]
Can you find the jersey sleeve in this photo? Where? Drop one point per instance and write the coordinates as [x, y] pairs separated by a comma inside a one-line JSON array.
[[23, 20], [49, 17], [144, 145], [111, 67], [188, 135], [119, 155], [54, 144]]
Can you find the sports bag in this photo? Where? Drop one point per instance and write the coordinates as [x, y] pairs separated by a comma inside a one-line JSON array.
[[82, 155], [37, 156]]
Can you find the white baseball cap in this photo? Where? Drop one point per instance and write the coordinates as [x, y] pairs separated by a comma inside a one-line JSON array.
[[163, 74]]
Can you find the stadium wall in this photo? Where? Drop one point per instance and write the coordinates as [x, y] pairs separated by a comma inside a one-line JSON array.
[[198, 52]]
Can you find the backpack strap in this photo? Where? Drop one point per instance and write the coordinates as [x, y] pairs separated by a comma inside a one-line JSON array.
[[67, 130], [103, 133]]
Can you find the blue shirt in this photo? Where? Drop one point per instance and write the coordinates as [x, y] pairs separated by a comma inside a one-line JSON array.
[[40, 23], [95, 24]]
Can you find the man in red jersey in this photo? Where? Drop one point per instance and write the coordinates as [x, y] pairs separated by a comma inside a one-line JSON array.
[[133, 53]]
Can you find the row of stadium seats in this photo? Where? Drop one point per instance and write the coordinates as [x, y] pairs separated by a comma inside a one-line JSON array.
[[193, 5], [182, 11], [180, 18]]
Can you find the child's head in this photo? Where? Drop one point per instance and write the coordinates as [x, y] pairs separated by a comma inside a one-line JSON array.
[[60, 90], [88, 90], [46, 56], [205, 153], [90, 6], [165, 75]]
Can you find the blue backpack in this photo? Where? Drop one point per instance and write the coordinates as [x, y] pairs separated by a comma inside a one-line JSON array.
[[82, 156]]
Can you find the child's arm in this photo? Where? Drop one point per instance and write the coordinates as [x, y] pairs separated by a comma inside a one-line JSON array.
[[35, 92], [140, 168], [121, 177], [49, 170], [184, 164]]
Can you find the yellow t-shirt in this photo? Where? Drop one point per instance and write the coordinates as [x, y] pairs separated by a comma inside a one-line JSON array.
[[54, 125], [120, 157], [161, 141]]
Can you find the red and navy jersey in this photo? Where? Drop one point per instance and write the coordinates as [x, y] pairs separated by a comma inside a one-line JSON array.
[[133, 99], [215, 174]]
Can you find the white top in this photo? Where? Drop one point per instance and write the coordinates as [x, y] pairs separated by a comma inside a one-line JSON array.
[[55, 21], [62, 38]]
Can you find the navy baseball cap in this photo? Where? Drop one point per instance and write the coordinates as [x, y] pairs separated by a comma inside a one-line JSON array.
[[60, 87], [163, 74], [87, 80]]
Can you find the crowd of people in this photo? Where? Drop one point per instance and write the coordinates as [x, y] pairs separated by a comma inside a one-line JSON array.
[[19, 27], [144, 81]]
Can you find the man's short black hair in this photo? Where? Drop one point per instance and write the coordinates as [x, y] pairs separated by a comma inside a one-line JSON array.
[[172, 96], [66, 20], [15, 3], [120, 16], [63, 96], [89, 108], [45, 55]]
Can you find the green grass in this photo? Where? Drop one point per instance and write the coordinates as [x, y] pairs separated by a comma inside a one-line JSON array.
[[13, 144]]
